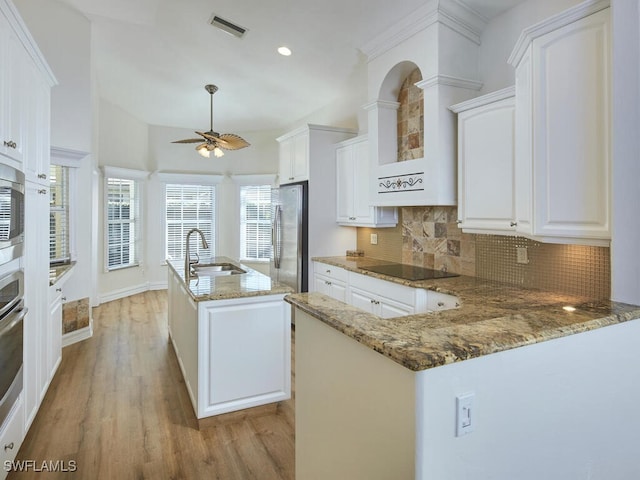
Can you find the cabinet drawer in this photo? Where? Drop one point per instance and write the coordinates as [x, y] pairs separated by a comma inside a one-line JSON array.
[[334, 273], [441, 301], [384, 288], [11, 436]]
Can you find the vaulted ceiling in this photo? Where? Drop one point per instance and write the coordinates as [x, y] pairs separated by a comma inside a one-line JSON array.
[[153, 57]]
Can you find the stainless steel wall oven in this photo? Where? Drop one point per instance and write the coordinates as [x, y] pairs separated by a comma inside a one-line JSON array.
[[12, 313], [11, 213]]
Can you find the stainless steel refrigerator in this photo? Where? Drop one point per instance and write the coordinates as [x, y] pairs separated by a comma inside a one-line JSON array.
[[289, 235]]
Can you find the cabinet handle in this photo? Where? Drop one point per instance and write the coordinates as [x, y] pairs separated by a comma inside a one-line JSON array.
[[64, 299], [10, 144], [458, 222], [352, 218], [375, 302], [513, 224], [291, 178], [8, 447], [42, 191], [327, 271], [326, 282], [441, 304], [42, 176], [58, 289]]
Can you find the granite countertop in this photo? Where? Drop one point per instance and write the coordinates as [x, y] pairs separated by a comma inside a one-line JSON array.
[[211, 287], [492, 317]]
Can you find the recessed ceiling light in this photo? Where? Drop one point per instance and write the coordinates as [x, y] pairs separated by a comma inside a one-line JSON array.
[[284, 51]]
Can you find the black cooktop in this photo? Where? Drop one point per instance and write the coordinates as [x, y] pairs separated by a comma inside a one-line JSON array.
[[408, 272]]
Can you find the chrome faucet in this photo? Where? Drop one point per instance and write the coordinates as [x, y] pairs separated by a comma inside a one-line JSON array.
[[187, 254]]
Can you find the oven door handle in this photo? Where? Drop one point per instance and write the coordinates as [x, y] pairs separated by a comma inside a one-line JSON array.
[[12, 320]]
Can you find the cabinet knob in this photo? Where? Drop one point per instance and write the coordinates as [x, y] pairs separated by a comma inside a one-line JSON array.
[[8, 446], [42, 176], [513, 224], [290, 178], [10, 144], [42, 191]]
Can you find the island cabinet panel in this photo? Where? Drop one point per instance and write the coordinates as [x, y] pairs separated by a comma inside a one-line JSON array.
[[244, 350], [354, 408]]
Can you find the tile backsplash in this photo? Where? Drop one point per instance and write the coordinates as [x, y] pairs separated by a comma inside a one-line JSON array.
[[430, 237]]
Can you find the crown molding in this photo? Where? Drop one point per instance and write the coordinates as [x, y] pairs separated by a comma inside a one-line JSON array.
[[496, 96], [67, 157], [452, 13], [584, 9], [450, 82], [378, 104]]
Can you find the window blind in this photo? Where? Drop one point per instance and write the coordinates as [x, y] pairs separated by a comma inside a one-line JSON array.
[[255, 222], [122, 223], [187, 207], [59, 249]]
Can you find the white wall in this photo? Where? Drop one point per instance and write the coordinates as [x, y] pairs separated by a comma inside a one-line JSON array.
[[501, 34], [556, 410]]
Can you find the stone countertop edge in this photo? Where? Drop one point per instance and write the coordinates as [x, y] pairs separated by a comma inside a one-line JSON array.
[[225, 287], [492, 317]]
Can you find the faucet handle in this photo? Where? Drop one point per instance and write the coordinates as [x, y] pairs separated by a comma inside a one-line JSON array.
[[197, 260]]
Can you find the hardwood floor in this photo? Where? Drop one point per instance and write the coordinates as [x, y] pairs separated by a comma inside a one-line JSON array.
[[118, 408]]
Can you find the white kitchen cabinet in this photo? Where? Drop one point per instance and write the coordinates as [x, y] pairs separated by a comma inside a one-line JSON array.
[[11, 435], [294, 157], [38, 348], [234, 353], [377, 304], [331, 281], [486, 188], [563, 83], [37, 159], [353, 186], [56, 300]]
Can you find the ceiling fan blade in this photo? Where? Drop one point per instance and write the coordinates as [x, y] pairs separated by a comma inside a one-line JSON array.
[[188, 140], [231, 141]]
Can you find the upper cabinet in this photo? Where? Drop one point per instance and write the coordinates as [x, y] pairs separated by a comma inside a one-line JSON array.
[[294, 156], [486, 201], [25, 85], [353, 181], [562, 127]]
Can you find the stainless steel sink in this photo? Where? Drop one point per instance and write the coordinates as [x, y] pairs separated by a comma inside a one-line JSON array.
[[216, 269]]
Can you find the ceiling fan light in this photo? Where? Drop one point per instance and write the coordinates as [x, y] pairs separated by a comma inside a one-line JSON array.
[[218, 152], [204, 151]]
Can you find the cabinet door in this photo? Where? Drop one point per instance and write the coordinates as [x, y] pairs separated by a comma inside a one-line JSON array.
[[486, 167], [338, 290], [344, 174], [36, 295], [36, 161], [571, 89], [361, 204], [321, 284], [523, 147], [388, 308], [300, 159], [286, 154], [55, 335], [16, 92], [362, 300]]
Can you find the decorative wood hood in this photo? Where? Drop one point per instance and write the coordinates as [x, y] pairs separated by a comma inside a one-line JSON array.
[[441, 39]]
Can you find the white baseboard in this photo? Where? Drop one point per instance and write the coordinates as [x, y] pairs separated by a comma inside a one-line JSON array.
[[78, 335], [158, 285], [122, 292]]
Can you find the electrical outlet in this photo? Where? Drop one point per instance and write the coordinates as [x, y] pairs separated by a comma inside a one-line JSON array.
[[465, 414], [374, 239], [522, 255]]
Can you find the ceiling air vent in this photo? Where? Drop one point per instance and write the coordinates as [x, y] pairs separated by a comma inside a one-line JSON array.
[[227, 26]]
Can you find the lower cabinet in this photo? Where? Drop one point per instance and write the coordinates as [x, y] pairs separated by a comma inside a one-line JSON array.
[[11, 435], [379, 297], [233, 353]]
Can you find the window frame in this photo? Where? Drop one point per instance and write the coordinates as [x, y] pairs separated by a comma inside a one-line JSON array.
[[243, 222], [166, 178], [138, 177]]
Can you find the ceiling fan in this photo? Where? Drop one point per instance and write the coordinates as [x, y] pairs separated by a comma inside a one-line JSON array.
[[213, 141]]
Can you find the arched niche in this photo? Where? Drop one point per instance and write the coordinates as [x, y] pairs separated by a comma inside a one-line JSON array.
[[389, 138]]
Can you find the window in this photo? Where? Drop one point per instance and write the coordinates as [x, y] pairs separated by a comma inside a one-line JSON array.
[[123, 226], [59, 248], [255, 222], [187, 207]]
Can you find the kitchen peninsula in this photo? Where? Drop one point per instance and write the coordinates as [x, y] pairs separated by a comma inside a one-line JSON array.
[[231, 331], [379, 397]]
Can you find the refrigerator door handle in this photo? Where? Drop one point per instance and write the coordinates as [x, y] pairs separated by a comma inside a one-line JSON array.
[[276, 236]]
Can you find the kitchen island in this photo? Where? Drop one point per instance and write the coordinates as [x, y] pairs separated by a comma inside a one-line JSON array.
[[231, 331], [549, 387]]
